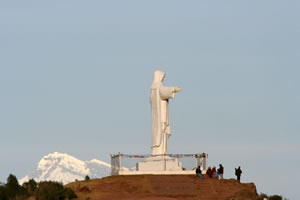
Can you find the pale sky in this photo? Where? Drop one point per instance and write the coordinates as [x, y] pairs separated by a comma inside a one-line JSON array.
[[75, 78]]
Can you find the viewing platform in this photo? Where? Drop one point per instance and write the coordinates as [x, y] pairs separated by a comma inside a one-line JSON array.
[[165, 164]]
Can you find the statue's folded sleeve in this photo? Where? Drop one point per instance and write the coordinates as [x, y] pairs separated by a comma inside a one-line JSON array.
[[166, 92]]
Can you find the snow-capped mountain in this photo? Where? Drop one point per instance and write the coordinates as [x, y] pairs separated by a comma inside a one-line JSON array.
[[65, 168]]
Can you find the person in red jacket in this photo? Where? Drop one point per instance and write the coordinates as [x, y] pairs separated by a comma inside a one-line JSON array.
[[214, 171], [209, 172]]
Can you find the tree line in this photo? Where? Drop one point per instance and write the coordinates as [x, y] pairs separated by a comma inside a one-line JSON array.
[[44, 190]]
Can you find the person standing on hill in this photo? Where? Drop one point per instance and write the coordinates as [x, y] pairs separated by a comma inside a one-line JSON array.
[[238, 173], [220, 171]]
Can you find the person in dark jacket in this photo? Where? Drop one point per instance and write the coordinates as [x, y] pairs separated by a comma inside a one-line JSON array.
[[238, 173], [220, 171], [199, 172]]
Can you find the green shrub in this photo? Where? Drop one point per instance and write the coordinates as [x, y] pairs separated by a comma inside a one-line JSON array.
[[70, 194], [263, 196], [49, 190], [275, 197], [30, 186], [12, 186], [45, 190], [3, 195]]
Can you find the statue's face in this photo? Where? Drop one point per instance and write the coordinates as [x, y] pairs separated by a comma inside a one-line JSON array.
[[163, 78]]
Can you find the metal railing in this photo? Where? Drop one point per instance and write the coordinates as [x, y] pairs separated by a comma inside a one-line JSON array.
[[128, 162]]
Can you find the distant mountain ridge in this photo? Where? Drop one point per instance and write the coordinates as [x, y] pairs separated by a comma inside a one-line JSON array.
[[65, 168]]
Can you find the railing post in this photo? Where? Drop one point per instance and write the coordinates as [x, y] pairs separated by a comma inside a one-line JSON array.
[[201, 162], [205, 161], [120, 161]]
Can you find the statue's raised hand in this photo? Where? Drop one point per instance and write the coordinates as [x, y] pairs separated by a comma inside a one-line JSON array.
[[177, 89]]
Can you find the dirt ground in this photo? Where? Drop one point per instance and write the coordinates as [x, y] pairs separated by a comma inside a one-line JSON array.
[[163, 187]]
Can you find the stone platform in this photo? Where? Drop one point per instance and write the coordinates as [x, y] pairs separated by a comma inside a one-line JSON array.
[[159, 163], [182, 172]]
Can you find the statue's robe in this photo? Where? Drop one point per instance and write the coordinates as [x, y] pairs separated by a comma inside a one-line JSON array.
[[159, 98]]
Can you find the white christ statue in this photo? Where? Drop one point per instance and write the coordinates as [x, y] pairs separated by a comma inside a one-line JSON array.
[[159, 99]]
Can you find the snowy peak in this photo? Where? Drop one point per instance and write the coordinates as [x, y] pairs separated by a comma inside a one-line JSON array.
[[56, 157], [52, 161], [99, 162], [66, 168]]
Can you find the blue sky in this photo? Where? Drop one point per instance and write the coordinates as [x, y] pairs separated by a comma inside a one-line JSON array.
[[75, 78]]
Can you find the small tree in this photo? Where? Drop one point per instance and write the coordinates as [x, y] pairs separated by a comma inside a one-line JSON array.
[[12, 186], [22, 194], [48, 190], [262, 196], [87, 178], [70, 194], [30, 186], [275, 197], [3, 195]]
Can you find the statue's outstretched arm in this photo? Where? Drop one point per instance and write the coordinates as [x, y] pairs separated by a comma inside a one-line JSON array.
[[168, 92]]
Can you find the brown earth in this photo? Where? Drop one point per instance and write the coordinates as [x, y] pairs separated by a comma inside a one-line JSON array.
[[163, 187]]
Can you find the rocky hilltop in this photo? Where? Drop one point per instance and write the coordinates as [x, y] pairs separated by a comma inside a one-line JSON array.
[[163, 187]]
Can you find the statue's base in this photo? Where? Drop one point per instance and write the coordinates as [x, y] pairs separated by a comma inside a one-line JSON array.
[[159, 163], [185, 172]]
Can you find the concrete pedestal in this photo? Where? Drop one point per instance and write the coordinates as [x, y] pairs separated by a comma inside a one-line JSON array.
[[159, 163]]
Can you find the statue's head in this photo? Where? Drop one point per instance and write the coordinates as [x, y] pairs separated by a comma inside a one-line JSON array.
[[159, 76]]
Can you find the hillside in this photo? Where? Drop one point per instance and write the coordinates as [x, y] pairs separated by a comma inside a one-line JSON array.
[[159, 187]]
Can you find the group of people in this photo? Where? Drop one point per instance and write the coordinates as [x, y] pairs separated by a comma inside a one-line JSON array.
[[217, 173], [213, 172]]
